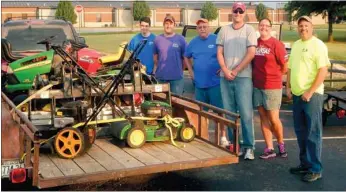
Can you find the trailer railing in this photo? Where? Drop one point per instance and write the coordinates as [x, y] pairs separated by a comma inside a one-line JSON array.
[[220, 117], [331, 80], [31, 137]]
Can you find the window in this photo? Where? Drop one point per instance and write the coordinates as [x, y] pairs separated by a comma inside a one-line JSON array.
[[98, 17], [24, 16]]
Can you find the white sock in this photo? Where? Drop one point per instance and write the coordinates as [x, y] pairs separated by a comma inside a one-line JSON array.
[[223, 139]]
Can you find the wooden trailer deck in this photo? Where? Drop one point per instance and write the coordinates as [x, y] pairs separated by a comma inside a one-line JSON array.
[[109, 158], [105, 161]]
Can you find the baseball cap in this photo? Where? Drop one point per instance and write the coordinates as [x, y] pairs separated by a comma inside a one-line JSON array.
[[202, 20], [306, 18], [170, 18], [240, 5]]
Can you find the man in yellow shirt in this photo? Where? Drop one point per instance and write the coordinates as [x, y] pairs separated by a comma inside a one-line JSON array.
[[308, 67]]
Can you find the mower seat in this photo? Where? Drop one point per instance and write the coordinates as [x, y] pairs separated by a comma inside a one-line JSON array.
[[6, 51], [115, 59], [78, 46]]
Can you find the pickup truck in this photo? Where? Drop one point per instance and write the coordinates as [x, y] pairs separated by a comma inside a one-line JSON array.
[[22, 36]]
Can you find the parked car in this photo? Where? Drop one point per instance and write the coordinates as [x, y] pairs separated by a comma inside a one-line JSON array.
[[24, 34]]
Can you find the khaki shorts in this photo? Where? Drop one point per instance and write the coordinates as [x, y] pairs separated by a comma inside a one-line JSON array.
[[270, 99]]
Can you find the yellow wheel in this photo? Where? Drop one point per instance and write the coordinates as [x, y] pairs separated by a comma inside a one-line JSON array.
[[136, 137], [187, 133], [69, 143]]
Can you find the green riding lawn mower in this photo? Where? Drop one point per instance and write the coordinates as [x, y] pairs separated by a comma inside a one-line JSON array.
[[69, 107]]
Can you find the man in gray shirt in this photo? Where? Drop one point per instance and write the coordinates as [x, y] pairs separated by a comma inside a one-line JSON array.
[[236, 48]]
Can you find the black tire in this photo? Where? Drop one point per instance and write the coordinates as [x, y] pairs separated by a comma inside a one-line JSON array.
[[190, 136], [19, 98], [89, 136]]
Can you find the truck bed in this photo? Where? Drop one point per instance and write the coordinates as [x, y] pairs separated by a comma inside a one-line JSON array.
[[107, 160]]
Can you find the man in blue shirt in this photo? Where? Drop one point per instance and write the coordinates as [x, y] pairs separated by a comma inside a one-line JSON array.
[[146, 56], [203, 51], [169, 49]]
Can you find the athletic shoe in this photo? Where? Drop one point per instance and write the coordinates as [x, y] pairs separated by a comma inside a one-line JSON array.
[[282, 151], [268, 153], [299, 170], [249, 155], [310, 177]]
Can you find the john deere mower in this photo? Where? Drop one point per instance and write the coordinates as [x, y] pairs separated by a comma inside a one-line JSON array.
[[127, 98]]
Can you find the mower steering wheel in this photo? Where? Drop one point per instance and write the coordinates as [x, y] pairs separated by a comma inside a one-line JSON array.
[[47, 40]]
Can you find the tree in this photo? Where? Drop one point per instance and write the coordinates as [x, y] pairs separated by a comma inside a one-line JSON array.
[[329, 9], [261, 12], [209, 11], [66, 10], [140, 10]]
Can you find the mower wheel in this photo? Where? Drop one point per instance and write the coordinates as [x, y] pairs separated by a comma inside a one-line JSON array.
[[136, 137], [187, 133], [69, 143], [19, 99]]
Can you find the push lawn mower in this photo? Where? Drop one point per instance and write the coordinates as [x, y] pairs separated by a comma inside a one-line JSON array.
[[80, 105]]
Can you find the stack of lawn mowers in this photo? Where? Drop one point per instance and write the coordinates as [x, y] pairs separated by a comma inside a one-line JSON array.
[[69, 106]]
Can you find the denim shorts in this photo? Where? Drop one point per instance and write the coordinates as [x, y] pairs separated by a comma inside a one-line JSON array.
[[270, 99]]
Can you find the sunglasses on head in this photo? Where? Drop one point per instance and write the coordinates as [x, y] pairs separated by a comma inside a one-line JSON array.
[[238, 11]]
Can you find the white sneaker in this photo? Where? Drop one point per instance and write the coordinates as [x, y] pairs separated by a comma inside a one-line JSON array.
[[224, 143], [249, 154]]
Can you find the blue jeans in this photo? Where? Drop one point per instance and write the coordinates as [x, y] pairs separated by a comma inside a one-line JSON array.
[[210, 95], [176, 86], [237, 96], [308, 127]]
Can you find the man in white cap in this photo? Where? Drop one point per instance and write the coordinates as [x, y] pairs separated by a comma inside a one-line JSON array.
[[307, 69], [236, 48]]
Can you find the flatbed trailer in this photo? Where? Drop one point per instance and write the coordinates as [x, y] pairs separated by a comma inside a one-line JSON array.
[[110, 159]]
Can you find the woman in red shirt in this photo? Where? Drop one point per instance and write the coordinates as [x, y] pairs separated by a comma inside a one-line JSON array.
[[270, 63]]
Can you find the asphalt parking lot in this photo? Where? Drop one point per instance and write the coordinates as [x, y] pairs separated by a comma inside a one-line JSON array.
[[256, 175]]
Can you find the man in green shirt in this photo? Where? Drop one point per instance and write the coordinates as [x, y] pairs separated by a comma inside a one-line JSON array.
[[308, 67]]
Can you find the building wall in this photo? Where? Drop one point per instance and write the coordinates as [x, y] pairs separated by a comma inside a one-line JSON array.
[[162, 12], [45, 13], [100, 16], [17, 12], [125, 18], [97, 16]]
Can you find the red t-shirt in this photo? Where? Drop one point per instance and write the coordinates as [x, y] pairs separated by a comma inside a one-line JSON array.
[[269, 60]]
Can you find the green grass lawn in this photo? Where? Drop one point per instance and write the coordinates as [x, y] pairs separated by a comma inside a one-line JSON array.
[[109, 42]]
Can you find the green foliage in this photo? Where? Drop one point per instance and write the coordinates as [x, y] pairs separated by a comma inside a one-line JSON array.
[[66, 10], [140, 10], [261, 12], [209, 11], [328, 9]]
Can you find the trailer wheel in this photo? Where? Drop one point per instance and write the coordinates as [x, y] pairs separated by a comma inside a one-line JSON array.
[[69, 143], [136, 137], [187, 133]]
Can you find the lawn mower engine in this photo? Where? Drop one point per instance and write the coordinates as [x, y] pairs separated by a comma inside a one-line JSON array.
[[76, 109], [156, 109]]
